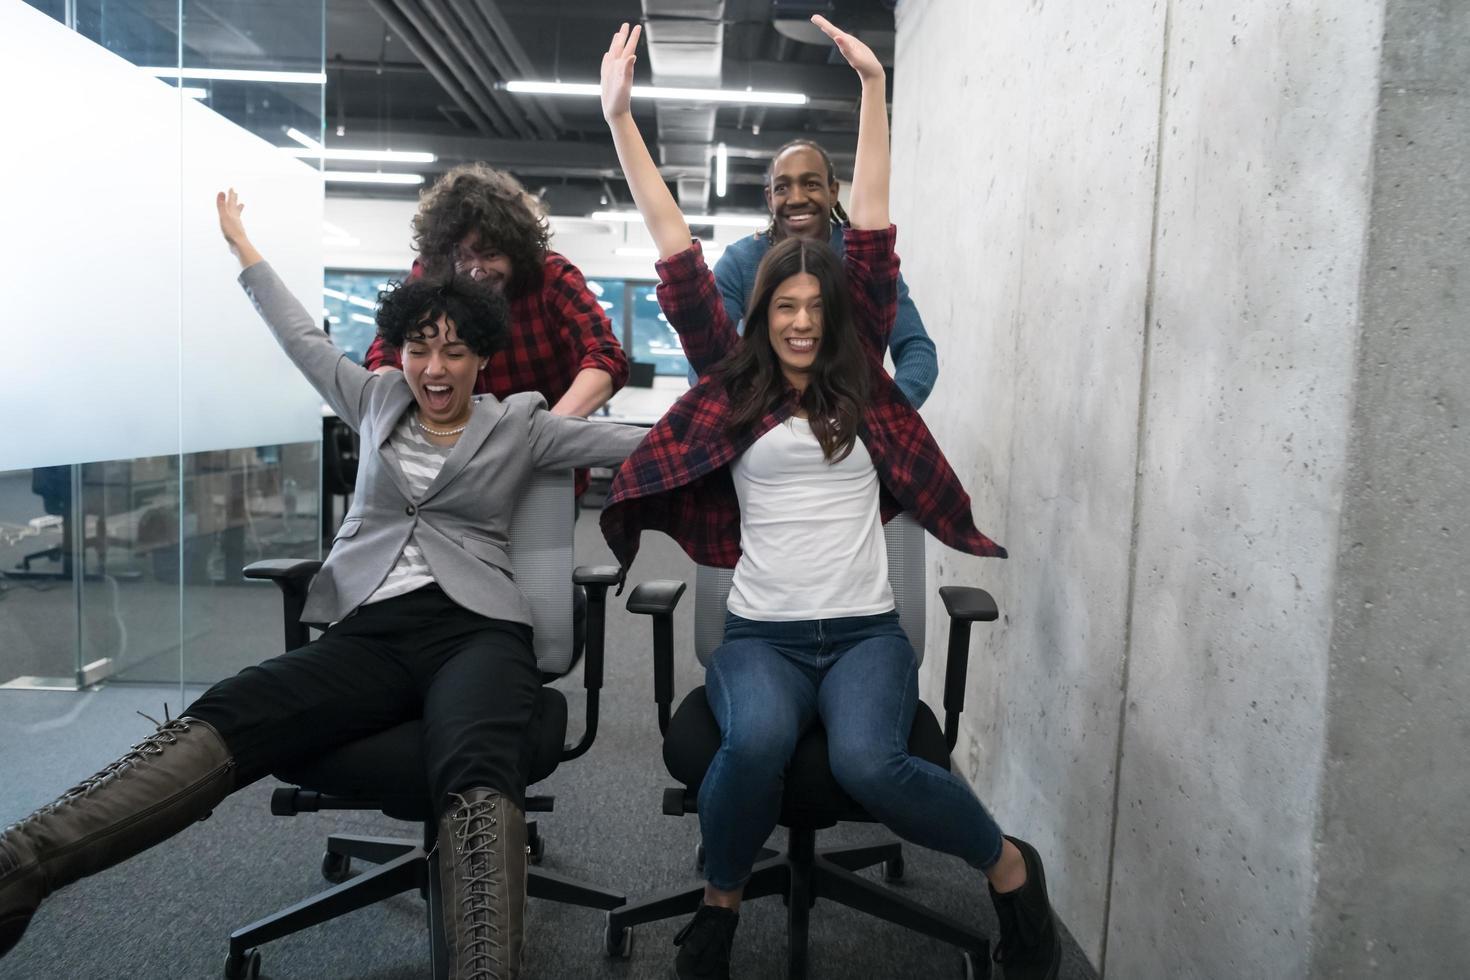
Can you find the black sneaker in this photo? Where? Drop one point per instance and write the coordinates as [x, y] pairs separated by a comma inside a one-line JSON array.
[[1029, 947], [704, 944]]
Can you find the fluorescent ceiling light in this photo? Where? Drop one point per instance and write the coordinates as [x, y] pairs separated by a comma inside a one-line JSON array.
[[315, 149], [734, 96], [243, 75], [605, 304], [727, 220], [335, 294], [351, 177], [595, 286], [366, 304], [370, 156], [303, 139], [722, 169], [359, 318], [194, 92]]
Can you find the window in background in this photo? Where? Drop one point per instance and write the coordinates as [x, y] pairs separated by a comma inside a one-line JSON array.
[[349, 300], [651, 338]]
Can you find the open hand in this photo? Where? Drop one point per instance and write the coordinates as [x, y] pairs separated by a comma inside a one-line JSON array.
[[230, 224], [617, 72], [858, 54], [233, 228]]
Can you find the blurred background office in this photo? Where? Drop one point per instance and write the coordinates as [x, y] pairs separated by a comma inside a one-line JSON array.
[[1196, 278]]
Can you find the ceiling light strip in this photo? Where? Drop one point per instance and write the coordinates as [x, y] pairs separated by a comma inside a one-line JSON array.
[[669, 93], [242, 75]]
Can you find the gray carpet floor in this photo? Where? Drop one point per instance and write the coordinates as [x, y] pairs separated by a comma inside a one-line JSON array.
[[168, 913]]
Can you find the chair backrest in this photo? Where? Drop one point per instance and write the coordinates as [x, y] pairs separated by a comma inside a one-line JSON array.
[[905, 540], [541, 533]]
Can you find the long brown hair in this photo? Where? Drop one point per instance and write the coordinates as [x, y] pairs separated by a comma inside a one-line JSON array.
[[836, 394]]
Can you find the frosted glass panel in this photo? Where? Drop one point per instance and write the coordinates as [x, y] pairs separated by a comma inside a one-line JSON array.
[[109, 225]]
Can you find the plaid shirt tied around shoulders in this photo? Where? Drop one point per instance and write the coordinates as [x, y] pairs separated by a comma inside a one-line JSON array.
[[678, 479]]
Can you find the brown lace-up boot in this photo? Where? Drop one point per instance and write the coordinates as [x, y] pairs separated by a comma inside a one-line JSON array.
[[482, 876], [167, 781]]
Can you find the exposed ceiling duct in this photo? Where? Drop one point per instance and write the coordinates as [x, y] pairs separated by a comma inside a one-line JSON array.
[[470, 49], [686, 47]]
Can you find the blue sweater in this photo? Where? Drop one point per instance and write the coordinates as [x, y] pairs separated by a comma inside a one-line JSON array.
[[915, 364]]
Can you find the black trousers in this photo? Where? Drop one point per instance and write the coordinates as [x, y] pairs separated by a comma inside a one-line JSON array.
[[472, 680]]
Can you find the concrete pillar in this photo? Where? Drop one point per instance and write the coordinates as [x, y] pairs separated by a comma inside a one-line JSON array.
[[1146, 239]]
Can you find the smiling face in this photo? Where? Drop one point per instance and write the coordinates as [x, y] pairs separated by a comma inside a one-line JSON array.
[[441, 371], [482, 262], [794, 324], [800, 194]]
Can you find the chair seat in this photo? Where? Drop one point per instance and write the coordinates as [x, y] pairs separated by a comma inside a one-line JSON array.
[[812, 796], [388, 767]]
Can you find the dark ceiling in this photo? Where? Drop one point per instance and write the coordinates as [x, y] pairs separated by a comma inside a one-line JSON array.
[[425, 75], [421, 74]]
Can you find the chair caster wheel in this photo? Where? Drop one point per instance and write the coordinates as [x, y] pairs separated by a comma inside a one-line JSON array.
[[893, 869], [699, 858], [537, 849], [618, 942], [975, 967], [336, 868], [246, 966]]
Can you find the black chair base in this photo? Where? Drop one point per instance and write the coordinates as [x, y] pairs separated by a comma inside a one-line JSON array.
[[402, 865], [801, 876]]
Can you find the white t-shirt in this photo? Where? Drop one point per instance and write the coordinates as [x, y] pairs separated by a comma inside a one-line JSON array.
[[420, 461], [811, 537]]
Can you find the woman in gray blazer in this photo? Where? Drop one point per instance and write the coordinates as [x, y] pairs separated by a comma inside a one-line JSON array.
[[427, 622]]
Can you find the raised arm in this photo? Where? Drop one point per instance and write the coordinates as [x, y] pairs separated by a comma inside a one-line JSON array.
[[869, 206], [342, 384], [659, 209]]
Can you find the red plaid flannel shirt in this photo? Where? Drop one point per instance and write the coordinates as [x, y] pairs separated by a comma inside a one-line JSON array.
[[678, 479], [557, 331]]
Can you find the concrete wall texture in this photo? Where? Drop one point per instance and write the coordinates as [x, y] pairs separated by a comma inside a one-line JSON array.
[[1194, 271]]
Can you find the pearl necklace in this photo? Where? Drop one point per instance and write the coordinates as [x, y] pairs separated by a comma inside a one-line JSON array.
[[437, 432]]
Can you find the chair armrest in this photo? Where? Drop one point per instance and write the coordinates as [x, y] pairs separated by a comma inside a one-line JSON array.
[[292, 576], [603, 575], [969, 604], [283, 571], [965, 606], [594, 580], [659, 599]]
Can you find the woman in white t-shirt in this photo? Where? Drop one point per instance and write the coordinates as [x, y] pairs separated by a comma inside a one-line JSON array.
[[783, 461]]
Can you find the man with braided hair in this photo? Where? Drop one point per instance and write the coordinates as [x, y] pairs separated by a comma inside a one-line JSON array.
[[801, 193]]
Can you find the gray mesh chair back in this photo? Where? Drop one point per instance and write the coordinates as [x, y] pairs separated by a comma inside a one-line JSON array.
[[905, 539], [541, 533]]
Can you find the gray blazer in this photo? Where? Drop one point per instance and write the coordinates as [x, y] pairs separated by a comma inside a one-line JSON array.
[[461, 520]]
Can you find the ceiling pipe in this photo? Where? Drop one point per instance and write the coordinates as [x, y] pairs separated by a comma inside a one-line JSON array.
[[454, 32], [421, 50], [516, 59], [416, 16]]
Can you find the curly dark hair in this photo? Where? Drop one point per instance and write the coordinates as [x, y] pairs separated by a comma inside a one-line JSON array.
[[837, 393], [475, 197], [411, 311]]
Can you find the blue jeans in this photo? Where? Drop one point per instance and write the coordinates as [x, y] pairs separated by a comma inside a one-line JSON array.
[[769, 682]]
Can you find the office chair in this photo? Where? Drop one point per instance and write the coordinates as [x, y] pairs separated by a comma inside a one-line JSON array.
[[386, 772], [812, 798]]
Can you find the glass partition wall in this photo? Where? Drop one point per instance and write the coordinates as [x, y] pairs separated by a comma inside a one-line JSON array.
[[157, 438]]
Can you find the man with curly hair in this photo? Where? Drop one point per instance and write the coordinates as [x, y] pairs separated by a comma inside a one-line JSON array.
[[481, 222]]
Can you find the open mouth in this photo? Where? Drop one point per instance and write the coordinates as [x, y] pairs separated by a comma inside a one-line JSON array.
[[801, 345], [438, 397], [799, 220]]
